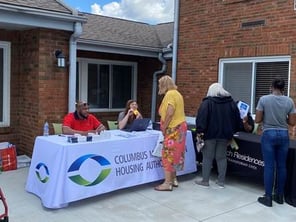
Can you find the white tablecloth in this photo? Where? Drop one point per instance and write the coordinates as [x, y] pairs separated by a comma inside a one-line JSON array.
[[62, 172]]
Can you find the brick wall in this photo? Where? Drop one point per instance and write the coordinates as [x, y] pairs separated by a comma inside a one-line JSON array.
[[43, 86], [211, 30], [39, 90]]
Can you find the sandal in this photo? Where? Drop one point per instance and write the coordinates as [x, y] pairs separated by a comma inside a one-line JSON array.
[[164, 187], [175, 182]]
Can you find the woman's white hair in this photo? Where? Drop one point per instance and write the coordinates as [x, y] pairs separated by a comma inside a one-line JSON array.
[[216, 89]]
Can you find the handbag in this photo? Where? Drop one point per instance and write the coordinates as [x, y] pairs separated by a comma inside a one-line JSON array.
[[8, 158], [158, 148], [199, 142]]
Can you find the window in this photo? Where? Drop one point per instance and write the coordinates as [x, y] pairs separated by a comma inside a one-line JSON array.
[[248, 79], [4, 84], [106, 85]]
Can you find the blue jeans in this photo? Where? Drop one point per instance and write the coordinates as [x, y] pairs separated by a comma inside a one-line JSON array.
[[275, 145]]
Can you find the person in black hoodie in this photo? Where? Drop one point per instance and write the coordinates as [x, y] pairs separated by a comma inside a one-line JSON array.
[[217, 119]]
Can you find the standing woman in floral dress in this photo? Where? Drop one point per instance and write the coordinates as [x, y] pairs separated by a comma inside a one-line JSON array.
[[174, 129]]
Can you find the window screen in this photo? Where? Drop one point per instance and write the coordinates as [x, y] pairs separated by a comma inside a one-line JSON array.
[[249, 80]]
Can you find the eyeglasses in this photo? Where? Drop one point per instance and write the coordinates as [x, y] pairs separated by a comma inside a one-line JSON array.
[[82, 105]]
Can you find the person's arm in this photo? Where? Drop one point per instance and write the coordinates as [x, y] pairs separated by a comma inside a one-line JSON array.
[[96, 124], [248, 123], [69, 131], [292, 119], [259, 116], [139, 116], [201, 120], [168, 118], [123, 121], [100, 128]]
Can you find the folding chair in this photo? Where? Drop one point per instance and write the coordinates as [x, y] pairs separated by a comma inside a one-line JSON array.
[[57, 128], [112, 125]]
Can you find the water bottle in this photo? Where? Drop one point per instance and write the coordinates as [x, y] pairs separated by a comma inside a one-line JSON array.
[[46, 129]]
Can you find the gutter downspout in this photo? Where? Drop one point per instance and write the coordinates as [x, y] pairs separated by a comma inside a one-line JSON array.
[[72, 69], [154, 85], [175, 40]]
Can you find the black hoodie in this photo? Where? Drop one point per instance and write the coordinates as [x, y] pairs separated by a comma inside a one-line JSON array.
[[218, 118]]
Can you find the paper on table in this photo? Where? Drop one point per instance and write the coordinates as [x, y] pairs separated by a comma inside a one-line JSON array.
[[4, 145]]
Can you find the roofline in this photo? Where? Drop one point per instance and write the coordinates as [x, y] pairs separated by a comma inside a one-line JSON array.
[[74, 11], [101, 46], [15, 15], [44, 13], [24, 17]]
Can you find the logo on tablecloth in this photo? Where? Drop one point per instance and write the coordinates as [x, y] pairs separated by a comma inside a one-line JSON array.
[[78, 179], [39, 168]]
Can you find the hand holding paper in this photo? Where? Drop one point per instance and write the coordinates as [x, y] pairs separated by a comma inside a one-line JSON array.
[[243, 109]]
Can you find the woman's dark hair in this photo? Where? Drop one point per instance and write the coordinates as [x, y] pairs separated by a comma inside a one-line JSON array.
[[278, 84], [127, 108], [127, 105]]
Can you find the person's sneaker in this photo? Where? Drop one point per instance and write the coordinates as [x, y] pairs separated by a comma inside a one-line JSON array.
[[220, 185], [203, 183], [265, 200], [278, 198]]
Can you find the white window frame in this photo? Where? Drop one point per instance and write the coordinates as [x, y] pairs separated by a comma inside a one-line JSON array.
[[6, 46], [83, 79], [254, 60]]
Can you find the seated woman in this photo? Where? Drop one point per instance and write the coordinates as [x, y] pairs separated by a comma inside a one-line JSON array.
[[126, 117]]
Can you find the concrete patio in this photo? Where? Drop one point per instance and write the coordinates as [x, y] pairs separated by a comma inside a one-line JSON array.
[[189, 203]]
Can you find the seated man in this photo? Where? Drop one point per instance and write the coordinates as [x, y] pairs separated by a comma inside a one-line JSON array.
[[81, 121]]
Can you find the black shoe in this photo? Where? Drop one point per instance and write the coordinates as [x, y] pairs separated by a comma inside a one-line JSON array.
[[265, 200], [278, 198]]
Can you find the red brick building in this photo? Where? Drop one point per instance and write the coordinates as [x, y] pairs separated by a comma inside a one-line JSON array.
[[242, 44], [108, 61]]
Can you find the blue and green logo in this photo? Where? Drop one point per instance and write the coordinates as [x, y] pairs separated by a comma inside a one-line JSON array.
[[39, 167], [78, 179]]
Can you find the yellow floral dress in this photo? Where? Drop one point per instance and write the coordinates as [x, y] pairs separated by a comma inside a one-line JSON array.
[[175, 136]]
